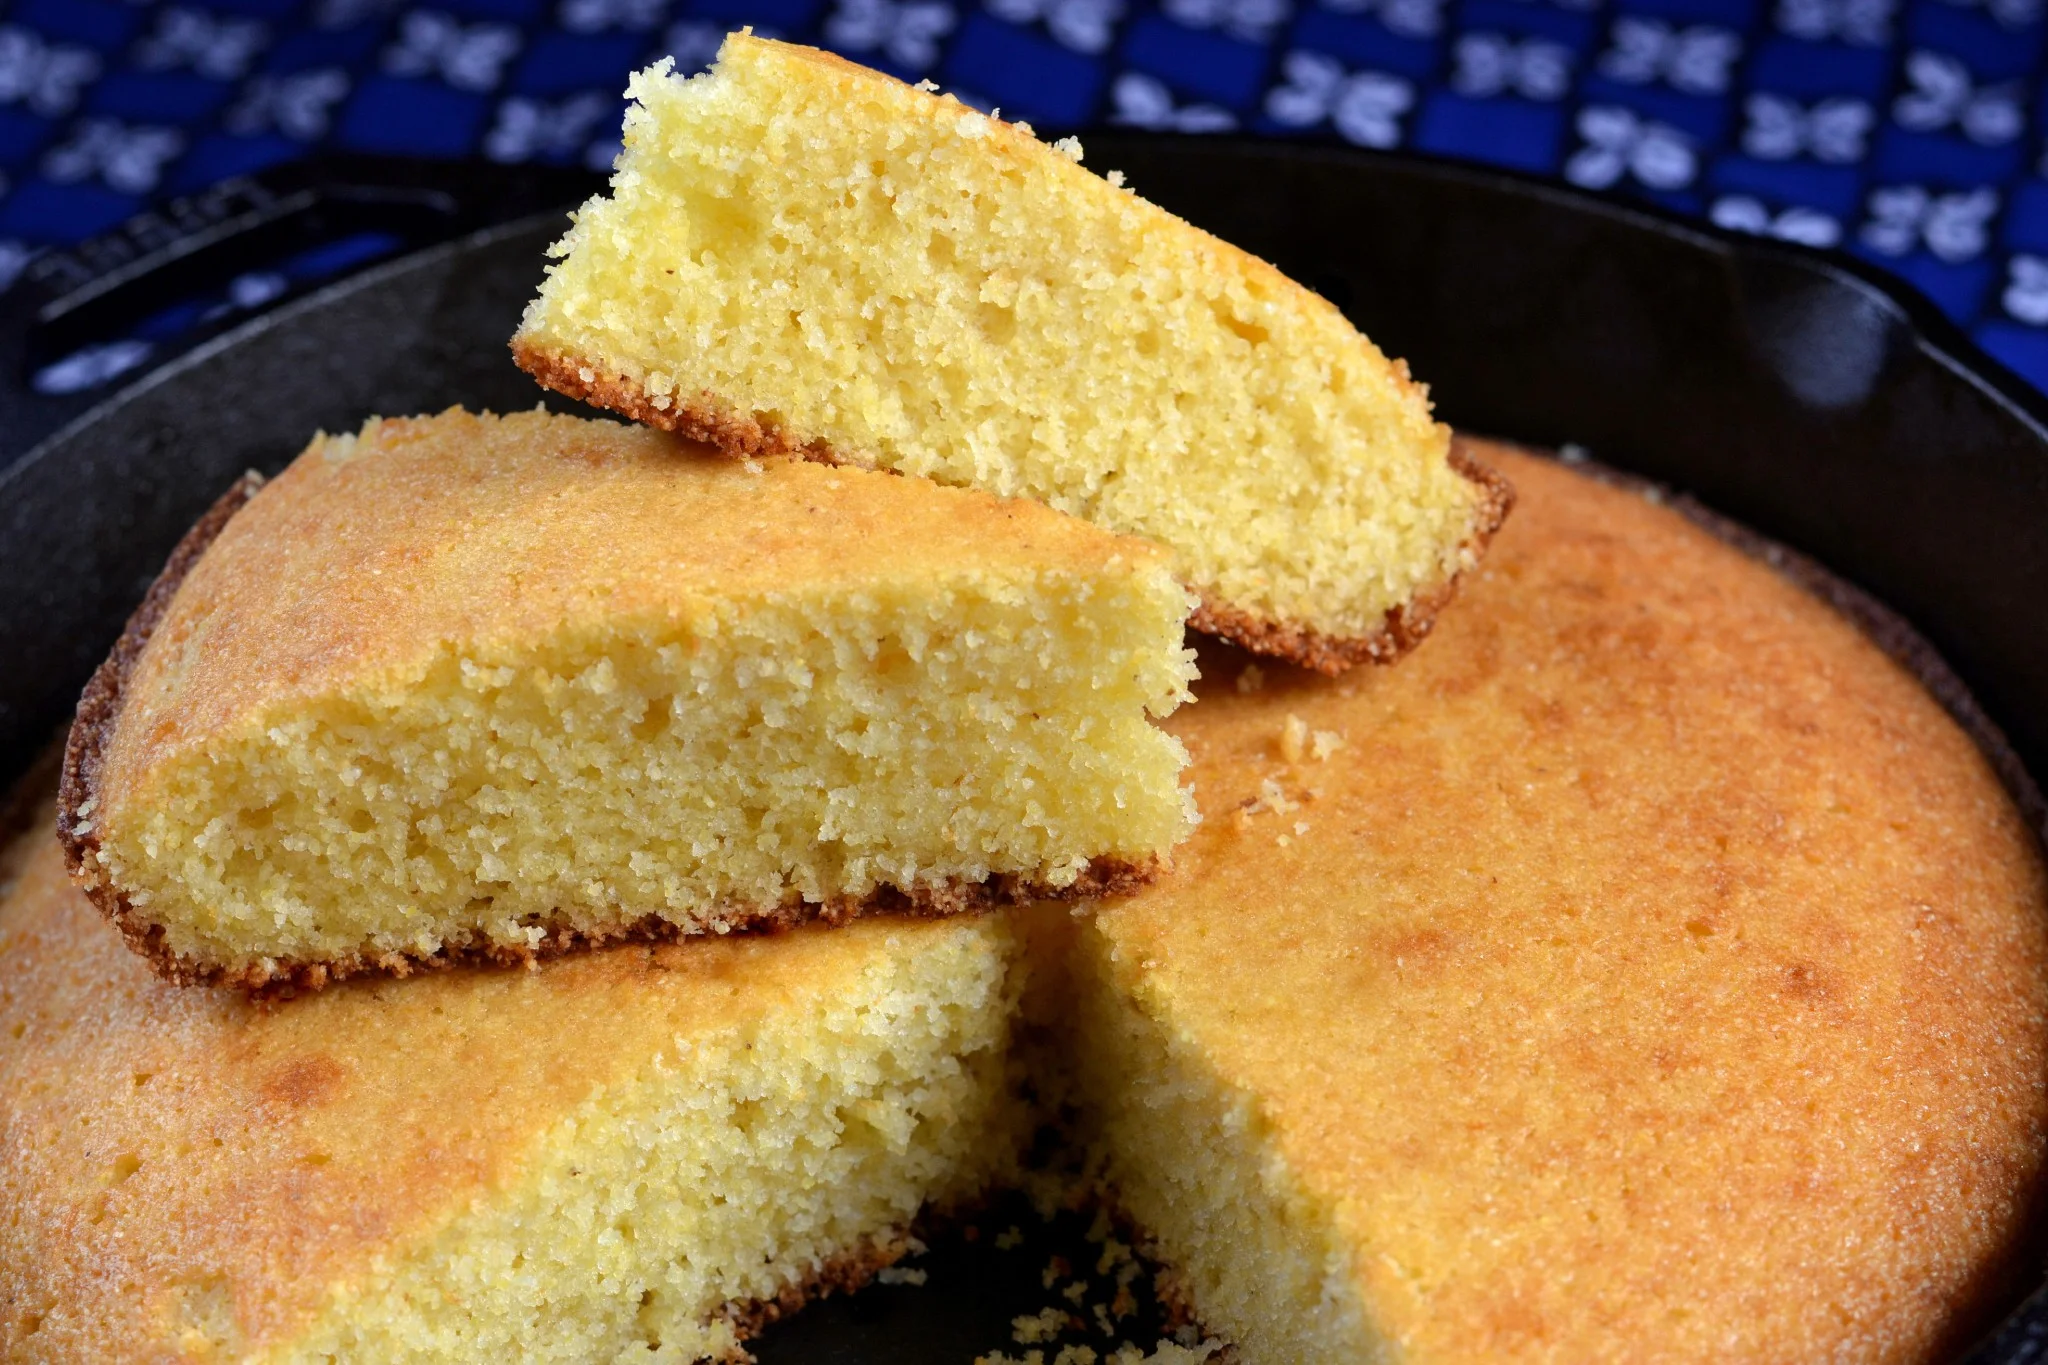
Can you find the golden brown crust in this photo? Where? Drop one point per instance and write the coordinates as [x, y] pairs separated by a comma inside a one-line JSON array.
[[282, 979], [99, 711], [716, 424], [1657, 857], [706, 419], [1407, 625], [843, 1275], [1896, 637]]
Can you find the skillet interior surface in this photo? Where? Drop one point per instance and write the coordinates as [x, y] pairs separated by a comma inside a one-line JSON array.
[[1790, 390]]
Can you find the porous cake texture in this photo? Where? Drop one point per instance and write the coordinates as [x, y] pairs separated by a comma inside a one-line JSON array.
[[468, 686], [1647, 969], [635, 1154], [802, 256]]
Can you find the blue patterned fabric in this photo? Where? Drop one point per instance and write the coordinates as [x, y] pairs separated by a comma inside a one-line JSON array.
[[1907, 131]]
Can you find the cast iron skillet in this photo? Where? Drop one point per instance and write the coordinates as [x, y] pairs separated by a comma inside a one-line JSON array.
[[1797, 392]]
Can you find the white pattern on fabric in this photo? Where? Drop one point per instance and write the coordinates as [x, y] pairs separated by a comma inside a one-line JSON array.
[[1143, 101], [126, 157], [1081, 25], [1944, 96], [1746, 213], [2026, 289], [1953, 227], [468, 57], [1831, 130], [1489, 64], [1364, 107], [216, 46], [47, 77], [906, 31], [1408, 18], [530, 128], [602, 16], [1697, 59], [1865, 124], [1860, 23], [1251, 21], [1620, 144], [300, 106]]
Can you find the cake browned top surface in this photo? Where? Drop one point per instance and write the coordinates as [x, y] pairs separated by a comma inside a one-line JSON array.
[[462, 531], [1653, 963], [161, 1147]]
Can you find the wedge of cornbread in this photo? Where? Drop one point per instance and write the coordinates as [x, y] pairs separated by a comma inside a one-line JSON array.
[[802, 256], [1649, 969], [461, 687], [640, 1153]]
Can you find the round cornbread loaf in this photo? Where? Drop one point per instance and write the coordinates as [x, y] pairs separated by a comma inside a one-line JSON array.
[[1647, 968]]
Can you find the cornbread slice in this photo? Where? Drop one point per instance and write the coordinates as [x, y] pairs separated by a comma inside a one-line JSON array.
[[491, 687], [635, 1154], [799, 255], [1647, 969]]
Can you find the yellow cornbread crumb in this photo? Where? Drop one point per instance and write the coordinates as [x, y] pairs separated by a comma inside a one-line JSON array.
[[590, 1161], [1043, 1325], [1045, 334], [473, 682]]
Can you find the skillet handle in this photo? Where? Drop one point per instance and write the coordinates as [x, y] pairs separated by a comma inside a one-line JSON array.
[[106, 313]]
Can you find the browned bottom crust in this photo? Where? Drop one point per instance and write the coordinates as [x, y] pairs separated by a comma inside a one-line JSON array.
[[93, 727], [842, 1275], [715, 423], [99, 711], [279, 979], [855, 1270], [1406, 625]]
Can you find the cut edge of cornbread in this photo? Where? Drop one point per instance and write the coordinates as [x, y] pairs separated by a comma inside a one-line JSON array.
[[912, 1122], [799, 1142], [1326, 610], [80, 828], [1405, 625], [1185, 1161]]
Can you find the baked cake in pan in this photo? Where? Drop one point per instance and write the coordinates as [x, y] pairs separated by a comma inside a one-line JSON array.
[[1648, 967]]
